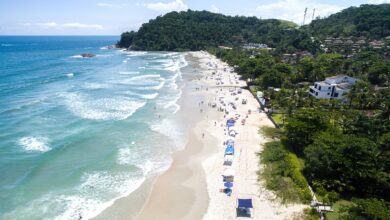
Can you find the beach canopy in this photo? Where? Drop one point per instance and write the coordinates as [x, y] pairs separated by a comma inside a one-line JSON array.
[[232, 132], [229, 150], [228, 172], [245, 203], [229, 158], [231, 121], [230, 141], [228, 184]]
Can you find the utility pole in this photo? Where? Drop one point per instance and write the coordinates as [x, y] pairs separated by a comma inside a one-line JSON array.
[[304, 17], [314, 11]]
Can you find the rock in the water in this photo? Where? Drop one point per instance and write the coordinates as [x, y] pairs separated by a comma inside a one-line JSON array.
[[88, 55]]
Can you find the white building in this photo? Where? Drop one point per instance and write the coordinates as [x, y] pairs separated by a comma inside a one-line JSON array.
[[333, 87]]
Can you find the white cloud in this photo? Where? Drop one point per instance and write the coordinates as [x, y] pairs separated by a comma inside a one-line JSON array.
[[176, 5], [47, 24], [293, 10], [214, 8], [65, 25], [102, 4], [79, 25], [378, 1], [108, 5]]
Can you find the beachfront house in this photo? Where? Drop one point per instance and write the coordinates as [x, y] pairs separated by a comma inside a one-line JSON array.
[[332, 87]]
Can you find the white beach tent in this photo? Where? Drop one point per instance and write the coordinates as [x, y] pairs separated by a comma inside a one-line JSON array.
[[228, 160], [228, 172]]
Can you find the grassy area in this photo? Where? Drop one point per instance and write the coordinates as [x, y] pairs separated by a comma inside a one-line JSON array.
[[253, 89], [338, 208], [271, 132], [278, 118]]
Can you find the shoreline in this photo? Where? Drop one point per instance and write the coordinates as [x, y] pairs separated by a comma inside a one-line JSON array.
[[179, 192]]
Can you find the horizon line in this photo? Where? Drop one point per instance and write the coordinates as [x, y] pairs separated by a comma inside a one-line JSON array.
[[55, 35]]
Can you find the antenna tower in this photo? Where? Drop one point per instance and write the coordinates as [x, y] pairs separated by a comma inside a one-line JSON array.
[[304, 17]]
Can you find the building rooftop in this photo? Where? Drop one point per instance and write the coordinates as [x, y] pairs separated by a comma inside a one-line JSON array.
[[336, 77], [344, 86]]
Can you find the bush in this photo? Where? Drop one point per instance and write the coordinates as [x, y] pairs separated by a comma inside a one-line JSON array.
[[370, 209], [271, 132], [282, 173]]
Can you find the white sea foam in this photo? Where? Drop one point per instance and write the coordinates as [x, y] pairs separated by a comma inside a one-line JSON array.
[[143, 80], [77, 56], [104, 55], [70, 75], [118, 108], [135, 53], [92, 198], [125, 61], [124, 156], [34, 144], [94, 86], [141, 67], [129, 73], [142, 96], [172, 103], [157, 87], [170, 129], [98, 191]]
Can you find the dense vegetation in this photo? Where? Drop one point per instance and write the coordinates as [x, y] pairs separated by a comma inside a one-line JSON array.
[[371, 21], [283, 173], [198, 30]]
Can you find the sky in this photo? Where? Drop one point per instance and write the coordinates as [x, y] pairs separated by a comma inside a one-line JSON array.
[[112, 17]]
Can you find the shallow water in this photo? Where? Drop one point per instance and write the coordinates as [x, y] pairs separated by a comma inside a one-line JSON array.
[[78, 133]]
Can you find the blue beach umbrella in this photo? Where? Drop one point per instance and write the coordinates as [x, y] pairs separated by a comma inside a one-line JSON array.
[[229, 150], [228, 184]]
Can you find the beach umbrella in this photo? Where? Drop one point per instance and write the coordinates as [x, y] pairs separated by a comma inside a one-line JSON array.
[[231, 121], [228, 172], [245, 203], [229, 150], [228, 184], [230, 140], [228, 158]]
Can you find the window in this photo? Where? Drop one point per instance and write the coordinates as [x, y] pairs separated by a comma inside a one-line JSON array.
[[319, 88], [329, 88], [328, 93], [316, 93], [336, 95], [311, 91], [315, 86]]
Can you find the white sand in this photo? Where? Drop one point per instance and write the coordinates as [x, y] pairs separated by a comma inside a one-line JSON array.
[[248, 142]]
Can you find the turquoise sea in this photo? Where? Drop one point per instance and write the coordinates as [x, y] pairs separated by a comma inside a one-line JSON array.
[[78, 133]]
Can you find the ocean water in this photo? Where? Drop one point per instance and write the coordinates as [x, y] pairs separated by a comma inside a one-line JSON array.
[[78, 133]]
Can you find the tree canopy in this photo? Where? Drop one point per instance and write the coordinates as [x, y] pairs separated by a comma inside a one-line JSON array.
[[197, 30], [371, 21]]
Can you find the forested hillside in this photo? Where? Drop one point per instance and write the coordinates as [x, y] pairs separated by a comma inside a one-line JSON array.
[[371, 21], [196, 30]]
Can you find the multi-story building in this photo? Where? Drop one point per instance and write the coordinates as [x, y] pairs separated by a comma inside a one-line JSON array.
[[332, 87]]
